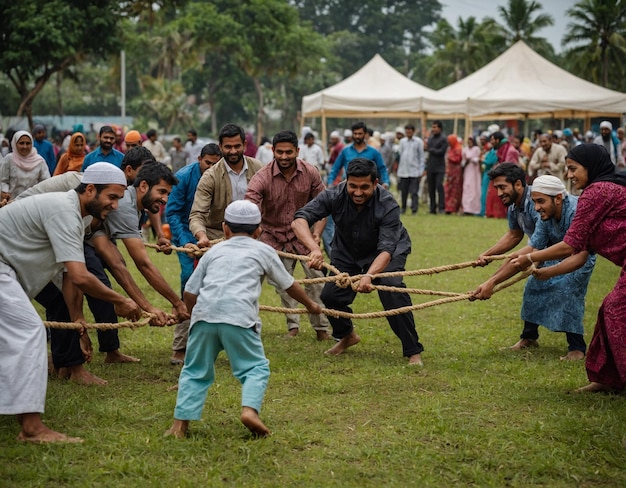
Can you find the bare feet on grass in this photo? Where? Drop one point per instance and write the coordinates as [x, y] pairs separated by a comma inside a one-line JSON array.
[[416, 360], [34, 430], [573, 356], [178, 429], [524, 344], [594, 387], [117, 357], [293, 332], [250, 418], [348, 341], [322, 335], [81, 376]]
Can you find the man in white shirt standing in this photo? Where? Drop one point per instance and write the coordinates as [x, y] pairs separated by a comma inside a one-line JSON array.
[[312, 153], [411, 166], [193, 146]]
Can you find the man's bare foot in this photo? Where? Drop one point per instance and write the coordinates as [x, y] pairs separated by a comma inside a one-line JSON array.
[[80, 375], [34, 430], [293, 332], [62, 373], [594, 387], [322, 335], [178, 429], [416, 360], [178, 357], [250, 418], [524, 344], [348, 341], [117, 357], [573, 356]]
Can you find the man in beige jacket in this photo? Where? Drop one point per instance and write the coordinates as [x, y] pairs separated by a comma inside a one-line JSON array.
[[224, 183]]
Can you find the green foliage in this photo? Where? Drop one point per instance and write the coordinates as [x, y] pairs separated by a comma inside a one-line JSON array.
[[475, 415]]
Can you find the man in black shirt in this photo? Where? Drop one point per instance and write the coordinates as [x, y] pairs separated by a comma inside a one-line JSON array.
[[436, 166], [369, 239]]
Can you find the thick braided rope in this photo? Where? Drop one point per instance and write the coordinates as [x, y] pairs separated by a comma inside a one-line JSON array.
[[145, 320], [397, 311]]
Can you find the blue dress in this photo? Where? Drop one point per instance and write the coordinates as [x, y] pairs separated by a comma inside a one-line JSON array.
[[490, 159]]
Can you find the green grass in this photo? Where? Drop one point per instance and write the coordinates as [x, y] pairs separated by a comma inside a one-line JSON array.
[[475, 415]]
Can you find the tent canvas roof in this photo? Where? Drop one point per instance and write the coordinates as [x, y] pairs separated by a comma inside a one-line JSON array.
[[522, 83], [376, 90]]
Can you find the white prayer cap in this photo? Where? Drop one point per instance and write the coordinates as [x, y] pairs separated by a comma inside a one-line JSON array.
[[493, 128], [558, 133], [347, 133], [588, 134], [485, 134], [242, 212], [334, 134], [549, 185], [305, 130], [607, 124], [399, 130], [104, 174]]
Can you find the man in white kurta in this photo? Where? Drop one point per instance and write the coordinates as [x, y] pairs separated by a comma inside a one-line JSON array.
[[41, 237]]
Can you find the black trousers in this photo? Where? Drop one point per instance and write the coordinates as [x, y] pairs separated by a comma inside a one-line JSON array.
[[435, 192], [575, 342], [409, 186], [403, 325], [65, 343]]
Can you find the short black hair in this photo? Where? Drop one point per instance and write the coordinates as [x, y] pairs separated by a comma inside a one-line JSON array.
[[409, 126], [511, 172], [106, 129], [136, 156], [498, 136], [438, 123], [242, 228], [153, 173], [359, 125], [359, 167], [287, 136], [231, 130], [211, 149], [150, 133], [309, 135], [192, 132]]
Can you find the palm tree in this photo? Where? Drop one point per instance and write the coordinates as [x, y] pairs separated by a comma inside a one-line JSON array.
[[461, 51], [522, 21], [597, 39]]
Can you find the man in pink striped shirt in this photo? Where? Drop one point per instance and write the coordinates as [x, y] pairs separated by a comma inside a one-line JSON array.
[[279, 189]]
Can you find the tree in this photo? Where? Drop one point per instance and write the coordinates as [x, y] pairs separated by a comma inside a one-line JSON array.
[[522, 22], [597, 39], [39, 39], [459, 52]]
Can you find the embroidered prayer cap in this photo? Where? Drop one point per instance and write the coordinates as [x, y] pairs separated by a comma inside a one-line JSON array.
[[549, 185], [242, 212], [104, 174], [133, 136]]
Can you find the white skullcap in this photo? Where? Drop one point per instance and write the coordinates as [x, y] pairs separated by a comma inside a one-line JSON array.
[[347, 133], [335, 134], [607, 124], [399, 130], [549, 185], [588, 134], [558, 133], [493, 128], [104, 174], [305, 130], [242, 212], [485, 134]]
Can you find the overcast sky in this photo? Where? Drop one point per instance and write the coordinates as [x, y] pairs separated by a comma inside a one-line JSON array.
[[453, 9]]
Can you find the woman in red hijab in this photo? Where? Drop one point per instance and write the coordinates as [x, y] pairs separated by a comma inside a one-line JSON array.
[[453, 188]]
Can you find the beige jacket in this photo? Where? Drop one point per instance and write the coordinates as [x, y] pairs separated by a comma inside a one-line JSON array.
[[213, 194]]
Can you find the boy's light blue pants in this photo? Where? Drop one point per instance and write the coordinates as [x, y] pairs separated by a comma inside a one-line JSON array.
[[247, 359]]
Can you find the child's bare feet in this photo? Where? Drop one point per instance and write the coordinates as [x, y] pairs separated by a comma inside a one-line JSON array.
[[178, 429], [250, 418]]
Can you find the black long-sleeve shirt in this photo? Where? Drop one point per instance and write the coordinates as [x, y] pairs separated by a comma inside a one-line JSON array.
[[360, 235]]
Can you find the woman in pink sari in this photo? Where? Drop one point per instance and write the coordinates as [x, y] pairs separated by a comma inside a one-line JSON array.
[[600, 226], [471, 178], [453, 187]]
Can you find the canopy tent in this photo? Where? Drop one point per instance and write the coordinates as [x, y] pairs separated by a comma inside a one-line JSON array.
[[522, 84], [375, 91]]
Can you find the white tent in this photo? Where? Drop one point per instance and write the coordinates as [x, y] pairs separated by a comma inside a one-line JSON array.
[[375, 91], [522, 84]]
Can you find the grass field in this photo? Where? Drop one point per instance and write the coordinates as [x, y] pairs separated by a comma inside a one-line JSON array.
[[474, 415]]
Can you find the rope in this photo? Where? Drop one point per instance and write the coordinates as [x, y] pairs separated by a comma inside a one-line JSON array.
[[145, 320]]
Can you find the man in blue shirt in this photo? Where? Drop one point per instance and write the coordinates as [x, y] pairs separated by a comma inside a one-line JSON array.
[[359, 149], [105, 152], [177, 211], [44, 147]]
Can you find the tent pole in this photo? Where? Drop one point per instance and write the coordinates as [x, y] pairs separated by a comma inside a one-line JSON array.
[[423, 123], [324, 138], [468, 127]]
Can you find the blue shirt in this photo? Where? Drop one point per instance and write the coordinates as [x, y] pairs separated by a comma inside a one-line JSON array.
[[349, 153], [180, 202], [524, 218], [114, 157], [46, 151], [229, 278]]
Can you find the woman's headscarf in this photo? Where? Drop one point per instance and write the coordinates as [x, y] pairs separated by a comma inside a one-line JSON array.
[[26, 163], [453, 142], [596, 159]]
